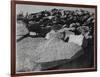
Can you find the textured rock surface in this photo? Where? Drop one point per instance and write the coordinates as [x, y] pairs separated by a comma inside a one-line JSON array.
[[21, 29], [30, 53], [26, 55], [54, 50]]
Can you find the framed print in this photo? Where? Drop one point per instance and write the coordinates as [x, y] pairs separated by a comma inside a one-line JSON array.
[[52, 38]]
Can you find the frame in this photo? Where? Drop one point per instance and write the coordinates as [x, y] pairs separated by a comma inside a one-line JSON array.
[[21, 65]]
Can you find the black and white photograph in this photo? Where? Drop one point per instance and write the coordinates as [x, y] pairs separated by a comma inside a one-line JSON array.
[[53, 38]]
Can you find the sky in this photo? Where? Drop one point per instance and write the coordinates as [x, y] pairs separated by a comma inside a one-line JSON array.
[[37, 8]]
